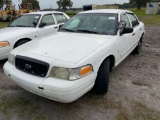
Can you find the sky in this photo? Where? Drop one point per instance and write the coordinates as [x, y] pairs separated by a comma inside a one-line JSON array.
[[76, 3]]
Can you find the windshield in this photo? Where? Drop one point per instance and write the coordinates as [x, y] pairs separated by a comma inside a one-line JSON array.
[[29, 20], [95, 23]]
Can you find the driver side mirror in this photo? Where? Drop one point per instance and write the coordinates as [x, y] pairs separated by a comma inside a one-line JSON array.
[[42, 25], [123, 29]]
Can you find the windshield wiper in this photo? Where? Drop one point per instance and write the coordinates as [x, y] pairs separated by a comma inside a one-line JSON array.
[[10, 26], [20, 26], [88, 31], [67, 30]]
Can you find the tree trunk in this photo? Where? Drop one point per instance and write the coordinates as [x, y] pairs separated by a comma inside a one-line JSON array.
[[139, 6]]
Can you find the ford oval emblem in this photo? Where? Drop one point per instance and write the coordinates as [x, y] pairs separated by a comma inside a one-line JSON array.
[[27, 66]]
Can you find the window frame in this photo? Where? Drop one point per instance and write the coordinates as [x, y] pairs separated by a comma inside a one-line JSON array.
[[124, 13], [133, 21], [46, 15], [63, 19]]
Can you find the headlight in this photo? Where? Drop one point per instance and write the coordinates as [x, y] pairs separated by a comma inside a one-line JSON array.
[[70, 74], [11, 59], [4, 44]]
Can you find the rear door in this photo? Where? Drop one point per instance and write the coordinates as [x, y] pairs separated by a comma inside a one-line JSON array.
[[137, 29], [60, 18], [50, 26]]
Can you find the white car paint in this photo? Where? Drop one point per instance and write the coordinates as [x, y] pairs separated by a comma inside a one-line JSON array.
[[71, 50], [15, 34]]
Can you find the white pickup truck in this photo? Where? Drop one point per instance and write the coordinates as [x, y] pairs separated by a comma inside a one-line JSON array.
[[28, 27], [79, 57]]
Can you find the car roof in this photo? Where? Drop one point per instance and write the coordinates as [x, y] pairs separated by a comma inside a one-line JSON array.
[[116, 11], [44, 12]]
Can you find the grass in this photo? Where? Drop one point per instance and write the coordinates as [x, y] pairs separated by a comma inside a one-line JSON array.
[[21, 108], [153, 20], [142, 112], [3, 24], [25, 106]]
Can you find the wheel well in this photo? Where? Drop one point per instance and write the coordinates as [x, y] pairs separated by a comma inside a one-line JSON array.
[[28, 39], [112, 61], [142, 36]]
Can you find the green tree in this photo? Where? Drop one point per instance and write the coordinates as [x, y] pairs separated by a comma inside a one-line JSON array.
[[35, 3], [1, 4], [63, 4], [6, 2], [139, 3]]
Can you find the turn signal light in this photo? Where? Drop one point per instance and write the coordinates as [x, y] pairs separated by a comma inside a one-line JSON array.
[[86, 70], [4, 44]]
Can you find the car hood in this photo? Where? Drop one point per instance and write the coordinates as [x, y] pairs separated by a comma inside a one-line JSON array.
[[14, 31], [64, 46]]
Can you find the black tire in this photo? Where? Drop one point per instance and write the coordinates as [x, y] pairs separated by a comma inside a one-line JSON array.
[[102, 80], [20, 43], [138, 48]]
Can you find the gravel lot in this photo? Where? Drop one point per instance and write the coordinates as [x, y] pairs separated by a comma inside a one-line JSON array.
[[134, 92]]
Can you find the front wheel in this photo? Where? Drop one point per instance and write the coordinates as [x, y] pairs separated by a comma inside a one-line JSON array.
[[102, 80]]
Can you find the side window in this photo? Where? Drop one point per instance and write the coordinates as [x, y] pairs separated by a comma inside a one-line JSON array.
[[133, 19], [48, 19], [60, 18], [124, 17]]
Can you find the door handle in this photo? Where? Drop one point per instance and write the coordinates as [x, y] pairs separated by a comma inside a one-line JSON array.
[[133, 34], [56, 27]]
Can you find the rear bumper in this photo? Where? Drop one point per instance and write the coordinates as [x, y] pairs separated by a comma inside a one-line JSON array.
[[4, 51], [56, 89]]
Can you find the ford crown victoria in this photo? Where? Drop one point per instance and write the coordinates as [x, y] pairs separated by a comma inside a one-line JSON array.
[[79, 57], [28, 27]]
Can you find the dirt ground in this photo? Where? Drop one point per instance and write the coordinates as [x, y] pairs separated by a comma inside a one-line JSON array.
[[134, 92]]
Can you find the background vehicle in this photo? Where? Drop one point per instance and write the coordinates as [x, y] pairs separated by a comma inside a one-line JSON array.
[[95, 7], [9, 13], [25, 8], [28, 27]]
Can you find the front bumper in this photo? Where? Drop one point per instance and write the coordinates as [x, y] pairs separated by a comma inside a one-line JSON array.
[[56, 89], [4, 51]]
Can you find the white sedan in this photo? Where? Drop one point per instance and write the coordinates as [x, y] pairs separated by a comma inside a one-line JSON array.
[[28, 27], [79, 57]]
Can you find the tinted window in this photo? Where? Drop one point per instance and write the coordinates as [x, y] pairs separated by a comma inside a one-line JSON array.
[[48, 19], [124, 17], [60, 18], [133, 19]]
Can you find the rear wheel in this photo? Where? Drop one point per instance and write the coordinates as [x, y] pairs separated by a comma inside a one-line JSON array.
[[20, 43], [102, 80], [138, 48]]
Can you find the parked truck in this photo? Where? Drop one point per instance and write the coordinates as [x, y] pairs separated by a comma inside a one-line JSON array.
[[94, 7], [10, 13]]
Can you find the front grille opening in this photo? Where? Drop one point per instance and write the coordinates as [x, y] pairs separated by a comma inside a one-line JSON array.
[[31, 66]]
